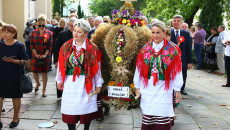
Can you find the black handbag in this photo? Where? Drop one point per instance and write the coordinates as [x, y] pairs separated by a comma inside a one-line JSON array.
[[210, 49], [41, 61], [25, 81]]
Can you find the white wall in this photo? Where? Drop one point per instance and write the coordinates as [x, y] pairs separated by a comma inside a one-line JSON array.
[[19, 11], [41, 7], [31, 9], [1, 10]]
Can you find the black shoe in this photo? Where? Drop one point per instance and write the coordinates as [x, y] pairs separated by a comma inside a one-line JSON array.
[[1, 125], [44, 95], [3, 110], [100, 119], [13, 124], [183, 92], [36, 90]]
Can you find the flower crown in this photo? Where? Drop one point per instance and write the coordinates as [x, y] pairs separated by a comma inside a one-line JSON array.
[[127, 16]]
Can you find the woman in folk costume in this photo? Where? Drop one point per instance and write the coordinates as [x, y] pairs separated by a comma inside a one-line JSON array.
[[79, 75], [158, 73]]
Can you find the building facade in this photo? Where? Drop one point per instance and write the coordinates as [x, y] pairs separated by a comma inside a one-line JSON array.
[[18, 11]]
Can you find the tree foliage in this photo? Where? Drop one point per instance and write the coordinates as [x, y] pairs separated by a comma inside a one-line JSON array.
[[80, 12], [56, 6], [166, 9], [211, 14]]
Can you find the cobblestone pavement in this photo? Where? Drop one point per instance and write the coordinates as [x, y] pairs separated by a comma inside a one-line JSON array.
[[206, 107]]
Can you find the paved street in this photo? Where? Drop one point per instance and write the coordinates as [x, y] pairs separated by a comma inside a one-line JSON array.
[[207, 107]]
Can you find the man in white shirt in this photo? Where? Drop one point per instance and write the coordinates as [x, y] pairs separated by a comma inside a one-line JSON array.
[[219, 50], [227, 58]]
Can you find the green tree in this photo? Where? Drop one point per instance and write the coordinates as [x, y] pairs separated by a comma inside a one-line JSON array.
[[211, 14], [80, 12], [56, 6], [166, 9]]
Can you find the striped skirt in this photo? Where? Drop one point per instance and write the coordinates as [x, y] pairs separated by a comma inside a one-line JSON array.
[[156, 123]]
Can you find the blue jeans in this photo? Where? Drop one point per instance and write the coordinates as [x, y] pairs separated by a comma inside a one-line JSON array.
[[198, 48]]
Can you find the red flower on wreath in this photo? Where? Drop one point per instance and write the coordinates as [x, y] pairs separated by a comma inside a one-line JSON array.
[[119, 84], [180, 39]]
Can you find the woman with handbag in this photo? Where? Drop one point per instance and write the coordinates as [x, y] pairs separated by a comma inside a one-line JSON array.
[[12, 53], [210, 55], [79, 75], [41, 41]]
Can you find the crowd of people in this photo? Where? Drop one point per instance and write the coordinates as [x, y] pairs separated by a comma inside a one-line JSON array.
[[78, 63]]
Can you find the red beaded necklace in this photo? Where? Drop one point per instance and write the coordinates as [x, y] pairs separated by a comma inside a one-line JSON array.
[[156, 54]]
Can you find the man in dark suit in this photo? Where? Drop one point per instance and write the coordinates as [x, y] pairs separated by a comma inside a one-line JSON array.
[[186, 47], [98, 20]]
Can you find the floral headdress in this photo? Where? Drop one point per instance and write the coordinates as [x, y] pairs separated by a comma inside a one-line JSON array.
[[127, 16]]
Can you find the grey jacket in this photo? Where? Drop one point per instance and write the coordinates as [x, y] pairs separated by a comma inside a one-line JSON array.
[[220, 49]]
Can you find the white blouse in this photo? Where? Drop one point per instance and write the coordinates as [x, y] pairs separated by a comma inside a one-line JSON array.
[[75, 100], [154, 99]]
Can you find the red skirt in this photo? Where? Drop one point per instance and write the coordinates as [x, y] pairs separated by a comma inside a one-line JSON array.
[[84, 119], [156, 123], [37, 67]]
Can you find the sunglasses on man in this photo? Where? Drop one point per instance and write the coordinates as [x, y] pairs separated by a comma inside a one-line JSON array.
[[105, 21], [41, 26]]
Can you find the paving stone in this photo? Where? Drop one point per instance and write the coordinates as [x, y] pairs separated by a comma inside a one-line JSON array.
[[93, 126], [185, 126], [57, 115], [203, 113], [184, 118], [27, 125], [60, 125], [137, 122], [194, 104], [210, 122], [39, 100], [118, 119], [46, 115], [51, 107], [137, 113], [120, 112], [226, 118], [115, 127]]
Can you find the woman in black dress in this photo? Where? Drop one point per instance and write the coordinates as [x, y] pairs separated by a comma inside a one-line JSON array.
[[12, 54], [210, 55]]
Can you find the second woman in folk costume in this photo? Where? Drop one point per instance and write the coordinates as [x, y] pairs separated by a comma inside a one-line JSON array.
[[158, 73], [79, 74]]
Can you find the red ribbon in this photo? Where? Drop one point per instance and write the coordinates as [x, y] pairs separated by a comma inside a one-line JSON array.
[[155, 78], [77, 69]]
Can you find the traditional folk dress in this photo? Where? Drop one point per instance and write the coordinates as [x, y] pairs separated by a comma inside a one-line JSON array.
[[158, 73], [79, 68]]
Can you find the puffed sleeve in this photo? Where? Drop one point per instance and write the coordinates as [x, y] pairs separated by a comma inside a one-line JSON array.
[[177, 83], [136, 79], [58, 75], [98, 78]]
